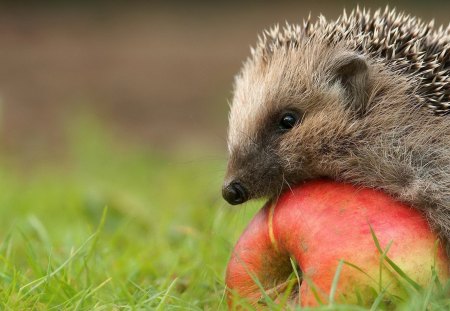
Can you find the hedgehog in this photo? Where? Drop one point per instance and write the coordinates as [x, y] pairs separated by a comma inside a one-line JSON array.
[[363, 99]]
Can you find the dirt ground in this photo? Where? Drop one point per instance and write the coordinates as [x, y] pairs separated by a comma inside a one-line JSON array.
[[158, 75]]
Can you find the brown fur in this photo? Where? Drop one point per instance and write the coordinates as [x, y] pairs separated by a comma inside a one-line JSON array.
[[363, 123]]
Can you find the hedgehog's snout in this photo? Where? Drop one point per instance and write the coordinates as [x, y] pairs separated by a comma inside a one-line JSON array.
[[235, 193], [252, 173]]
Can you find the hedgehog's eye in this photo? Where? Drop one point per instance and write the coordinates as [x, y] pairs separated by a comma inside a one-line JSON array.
[[288, 121]]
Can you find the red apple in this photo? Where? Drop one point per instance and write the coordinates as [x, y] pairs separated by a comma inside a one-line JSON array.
[[320, 223]]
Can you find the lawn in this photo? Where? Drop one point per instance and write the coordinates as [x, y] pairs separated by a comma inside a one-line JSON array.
[[117, 226]]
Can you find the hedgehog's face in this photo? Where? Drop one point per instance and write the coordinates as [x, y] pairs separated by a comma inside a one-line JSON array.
[[279, 111]]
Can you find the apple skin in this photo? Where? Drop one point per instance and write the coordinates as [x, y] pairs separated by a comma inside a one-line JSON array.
[[322, 222]]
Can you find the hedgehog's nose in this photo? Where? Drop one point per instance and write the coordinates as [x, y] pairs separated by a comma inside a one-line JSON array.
[[234, 193]]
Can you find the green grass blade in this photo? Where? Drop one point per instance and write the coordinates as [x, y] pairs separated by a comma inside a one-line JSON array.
[[36, 283], [166, 294], [334, 284], [379, 298], [265, 298], [392, 264], [360, 270]]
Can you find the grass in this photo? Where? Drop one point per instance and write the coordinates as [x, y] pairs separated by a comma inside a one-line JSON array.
[[116, 228], [125, 228]]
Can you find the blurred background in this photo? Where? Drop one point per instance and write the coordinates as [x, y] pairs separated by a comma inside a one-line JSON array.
[[158, 74]]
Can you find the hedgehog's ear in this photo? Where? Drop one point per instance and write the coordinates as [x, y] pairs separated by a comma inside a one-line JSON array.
[[351, 70]]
